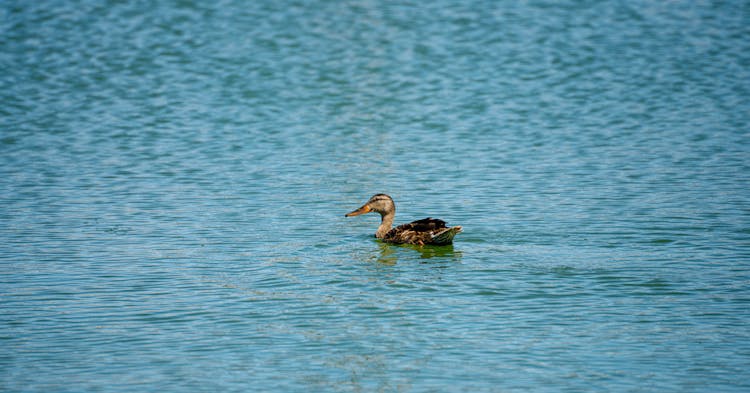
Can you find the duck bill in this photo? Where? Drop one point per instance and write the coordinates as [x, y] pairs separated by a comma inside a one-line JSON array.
[[362, 210]]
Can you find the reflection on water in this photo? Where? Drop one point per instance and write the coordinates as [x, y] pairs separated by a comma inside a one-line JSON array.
[[440, 251], [389, 253]]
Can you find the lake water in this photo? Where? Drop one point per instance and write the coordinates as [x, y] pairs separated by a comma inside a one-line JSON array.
[[174, 178]]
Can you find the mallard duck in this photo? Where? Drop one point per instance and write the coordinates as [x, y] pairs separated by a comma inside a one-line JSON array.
[[420, 232]]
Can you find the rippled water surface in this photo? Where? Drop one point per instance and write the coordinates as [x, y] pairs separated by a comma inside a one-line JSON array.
[[174, 175]]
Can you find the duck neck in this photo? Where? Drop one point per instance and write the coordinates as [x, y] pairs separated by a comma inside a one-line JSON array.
[[386, 222]]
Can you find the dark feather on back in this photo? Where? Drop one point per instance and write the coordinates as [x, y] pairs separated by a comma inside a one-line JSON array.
[[425, 224], [419, 231]]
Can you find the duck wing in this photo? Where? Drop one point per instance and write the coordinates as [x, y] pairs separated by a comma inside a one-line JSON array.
[[424, 231]]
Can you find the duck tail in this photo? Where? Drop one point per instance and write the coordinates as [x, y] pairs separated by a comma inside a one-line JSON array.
[[445, 236]]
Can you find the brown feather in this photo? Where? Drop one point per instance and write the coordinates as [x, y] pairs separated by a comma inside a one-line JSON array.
[[425, 231]]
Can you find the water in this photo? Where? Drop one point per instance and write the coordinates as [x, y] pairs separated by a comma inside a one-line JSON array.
[[174, 178]]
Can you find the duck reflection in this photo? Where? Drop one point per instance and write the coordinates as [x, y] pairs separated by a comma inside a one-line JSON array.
[[389, 253]]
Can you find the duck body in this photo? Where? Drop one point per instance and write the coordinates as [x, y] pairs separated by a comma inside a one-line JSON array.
[[425, 231]]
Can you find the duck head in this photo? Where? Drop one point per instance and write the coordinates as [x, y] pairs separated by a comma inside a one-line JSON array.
[[379, 203]]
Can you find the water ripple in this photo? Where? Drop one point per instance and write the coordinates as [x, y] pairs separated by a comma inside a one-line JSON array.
[[173, 180]]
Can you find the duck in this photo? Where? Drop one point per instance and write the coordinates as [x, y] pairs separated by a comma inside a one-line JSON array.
[[427, 231]]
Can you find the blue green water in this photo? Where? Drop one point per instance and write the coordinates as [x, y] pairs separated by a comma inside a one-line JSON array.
[[174, 178]]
